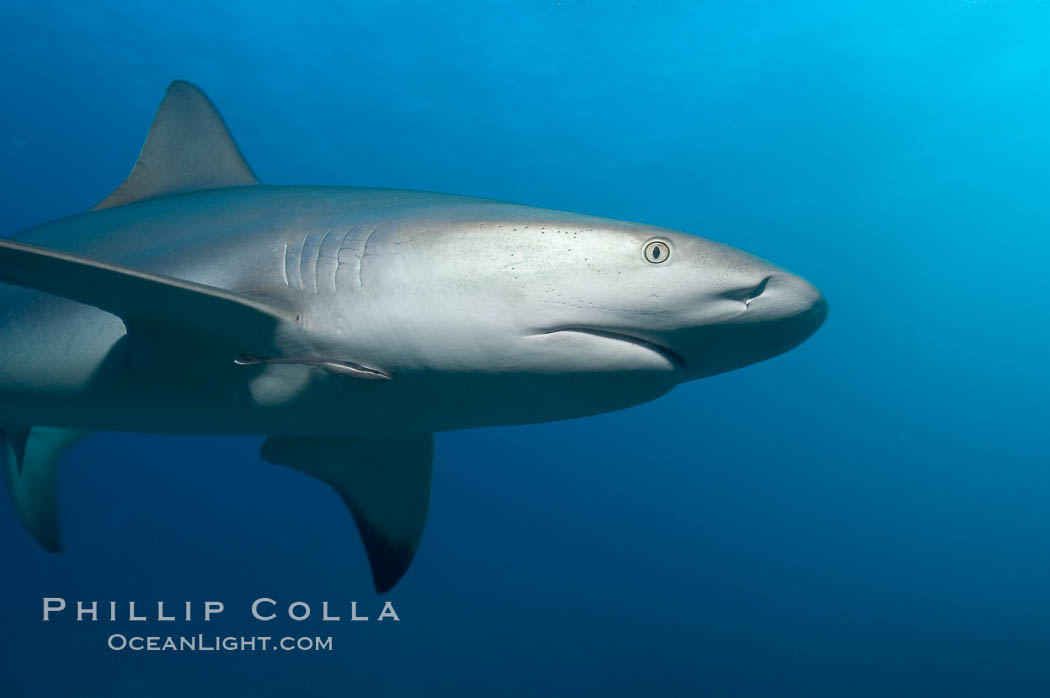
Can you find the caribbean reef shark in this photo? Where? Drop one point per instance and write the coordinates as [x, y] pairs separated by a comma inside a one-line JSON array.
[[348, 324]]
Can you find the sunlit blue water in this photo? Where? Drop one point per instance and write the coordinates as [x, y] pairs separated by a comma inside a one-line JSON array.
[[868, 515]]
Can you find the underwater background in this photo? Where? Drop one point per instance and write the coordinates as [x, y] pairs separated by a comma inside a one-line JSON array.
[[868, 515]]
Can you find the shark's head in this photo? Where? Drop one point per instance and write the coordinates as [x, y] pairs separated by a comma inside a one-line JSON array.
[[699, 306], [515, 290]]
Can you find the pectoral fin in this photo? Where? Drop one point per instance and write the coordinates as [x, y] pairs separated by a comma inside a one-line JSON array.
[[384, 481], [159, 305], [31, 457]]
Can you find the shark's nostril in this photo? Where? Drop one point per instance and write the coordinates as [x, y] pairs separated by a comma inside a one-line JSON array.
[[748, 294], [757, 291]]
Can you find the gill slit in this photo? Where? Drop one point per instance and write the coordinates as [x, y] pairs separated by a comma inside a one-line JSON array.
[[364, 253]]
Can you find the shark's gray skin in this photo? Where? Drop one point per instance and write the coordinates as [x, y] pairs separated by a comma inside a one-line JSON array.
[[350, 324]]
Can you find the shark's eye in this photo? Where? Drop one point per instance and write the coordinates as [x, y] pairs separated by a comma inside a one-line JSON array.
[[657, 251]]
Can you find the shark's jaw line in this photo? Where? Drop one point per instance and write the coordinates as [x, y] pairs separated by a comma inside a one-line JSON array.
[[672, 357]]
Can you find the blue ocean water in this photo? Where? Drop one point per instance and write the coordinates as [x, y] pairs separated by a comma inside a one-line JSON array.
[[868, 515]]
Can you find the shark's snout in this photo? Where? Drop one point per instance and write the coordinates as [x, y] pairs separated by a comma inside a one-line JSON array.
[[778, 312], [791, 308], [786, 297]]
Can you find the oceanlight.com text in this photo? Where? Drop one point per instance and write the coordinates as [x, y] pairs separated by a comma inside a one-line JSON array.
[[216, 643]]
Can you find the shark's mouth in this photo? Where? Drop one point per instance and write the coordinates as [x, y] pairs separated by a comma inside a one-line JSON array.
[[675, 359]]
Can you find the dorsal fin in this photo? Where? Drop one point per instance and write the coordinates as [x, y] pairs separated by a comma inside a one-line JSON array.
[[188, 148]]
